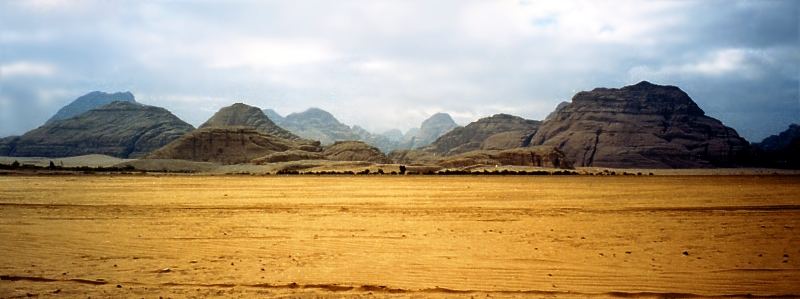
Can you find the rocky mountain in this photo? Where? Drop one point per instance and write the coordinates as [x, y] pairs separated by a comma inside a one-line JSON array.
[[497, 132], [88, 102], [230, 145], [354, 151], [274, 116], [241, 115], [318, 124], [431, 129], [122, 129], [782, 150], [643, 125], [393, 135], [537, 156]]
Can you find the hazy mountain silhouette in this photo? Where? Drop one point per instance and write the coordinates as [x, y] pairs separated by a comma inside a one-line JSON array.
[[90, 101]]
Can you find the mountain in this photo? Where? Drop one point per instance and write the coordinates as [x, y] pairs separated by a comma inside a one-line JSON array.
[[537, 156], [782, 150], [354, 151], [642, 126], [318, 124], [431, 129], [230, 145], [497, 132], [274, 116], [393, 135], [241, 115], [88, 102], [122, 129]]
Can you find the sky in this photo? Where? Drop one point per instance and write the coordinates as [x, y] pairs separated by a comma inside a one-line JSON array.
[[391, 64]]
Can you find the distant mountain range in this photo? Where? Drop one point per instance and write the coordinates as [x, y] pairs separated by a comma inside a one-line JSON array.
[[639, 126], [318, 124]]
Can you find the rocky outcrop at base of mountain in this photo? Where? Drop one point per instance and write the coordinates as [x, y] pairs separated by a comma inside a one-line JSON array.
[[90, 101], [241, 115], [120, 129], [229, 145], [780, 151], [642, 126], [288, 156], [538, 156], [354, 151], [413, 157], [497, 132]]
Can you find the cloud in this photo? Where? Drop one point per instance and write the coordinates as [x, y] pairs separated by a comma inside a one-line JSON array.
[[747, 63], [26, 69], [390, 64]]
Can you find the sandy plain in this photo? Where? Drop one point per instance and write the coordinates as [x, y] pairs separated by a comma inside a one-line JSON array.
[[399, 236]]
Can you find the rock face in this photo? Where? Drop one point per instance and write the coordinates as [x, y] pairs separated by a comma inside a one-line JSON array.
[[88, 102], [497, 132], [119, 129], [290, 155], [229, 145], [782, 150], [241, 115], [643, 125], [274, 116], [7, 144], [354, 151], [318, 124], [431, 129], [538, 156]]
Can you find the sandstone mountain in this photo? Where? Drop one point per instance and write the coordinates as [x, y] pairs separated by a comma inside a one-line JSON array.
[[354, 151], [122, 129], [782, 150], [431, 129], [537, 156], [88, 102], [318, 124], [643, 125], [497, 132], [230, 145], [241, 115], [383, 143]]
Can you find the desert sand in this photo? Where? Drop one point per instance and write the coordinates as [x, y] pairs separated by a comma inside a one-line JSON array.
[[399, 236]]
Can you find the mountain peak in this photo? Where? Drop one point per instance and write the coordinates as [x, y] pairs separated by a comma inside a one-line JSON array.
[[243, 115], [90, 101], [439, 119]]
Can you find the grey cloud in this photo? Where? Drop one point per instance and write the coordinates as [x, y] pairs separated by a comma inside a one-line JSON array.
[[388, 64]]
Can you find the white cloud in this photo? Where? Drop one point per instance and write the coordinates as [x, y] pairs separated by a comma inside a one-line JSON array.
[[384, 64], [260, 53], [26, 69], [746, 63]]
